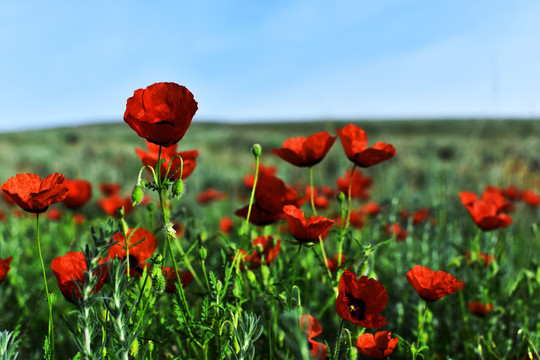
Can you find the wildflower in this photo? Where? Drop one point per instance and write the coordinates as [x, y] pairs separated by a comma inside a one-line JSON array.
[[377, 346], [486, 259], [361, 301], [333, 262], [142, 245], [55, 215], [486, 212], [396, 231], [70, 269], [4, 267], [109, 189], [79, 218], [359, 184], [312, 328], [354, 141], [431, 285], [530, 197], [303, 230], [249, 179], [371, 208], [480, 309], [80, 192], [170, 285], [112, 204], [33, 194], [266, 248], [168, 154], [207, 196], [303, 152], [161, 113], [226, 225]]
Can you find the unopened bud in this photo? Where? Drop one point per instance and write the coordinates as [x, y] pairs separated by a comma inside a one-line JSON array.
[[178, 188], [150, 345], [203, 253], [251, 276], [151, 207], [341, 197], [137, 195], [256, 150]]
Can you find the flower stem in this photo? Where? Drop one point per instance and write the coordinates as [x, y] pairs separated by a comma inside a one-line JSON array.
[[336, 350], [420, 328], [294, 274], [252, 194], [51, 324]]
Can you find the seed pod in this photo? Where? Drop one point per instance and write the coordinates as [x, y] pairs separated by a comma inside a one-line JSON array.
[[256, 150], [137, 195], [178, 188]]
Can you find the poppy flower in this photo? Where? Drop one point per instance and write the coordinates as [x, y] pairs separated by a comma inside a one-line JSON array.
[[249, 179], [333, 262], [312, 328], [4, 267], [361, 301], [207, 196], [485, 259], [70, 269], [79, 193], [303, 230], [271, 194], [112, 204], [186, 278], [161, 113], [371, 208], [33, 194], [142, 244], [486, 212], [530, 197], [431, 285], [301, 151], [110, 189], [79, 218], [179, 229], [226, 225], [396, 231], [354, 141], [377, 346], [359, 185], [480, 309], [168, 154], [267, 248], [55, 215]]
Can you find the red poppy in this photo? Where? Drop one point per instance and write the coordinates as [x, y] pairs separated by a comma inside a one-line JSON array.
[[226, 225], [530, 197], [418, 217], [4, 267], [70, 269], [305, 230], [359, 186], [361, 300], [142, 244], [271, 194], [33, 194], [112, 204], [354, 141], [55, 215], [110, 189], [480, 309], [263, 170], [301, 151], [377, 346], [431, 285], [371, 208], [486, 212], [179, 229], [168, 154], [333, 262], [266, 248], [170, 279], [312, 327], [396, 231], [161, 113], [80, 192], [207, 196], [79, 219], [486, 259]]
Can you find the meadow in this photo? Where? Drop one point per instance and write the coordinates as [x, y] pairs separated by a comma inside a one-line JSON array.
[[243, 310]]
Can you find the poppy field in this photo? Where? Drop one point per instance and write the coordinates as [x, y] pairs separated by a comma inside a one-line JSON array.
[[160, 238]]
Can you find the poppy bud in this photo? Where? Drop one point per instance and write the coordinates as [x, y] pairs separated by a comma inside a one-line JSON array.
[[178, 188], [151, 207], [256, 150], [265, 272], [341, 197], [251, 277], [121, 212], [150, 346], [143, 184], [203, 253], [137, 195]]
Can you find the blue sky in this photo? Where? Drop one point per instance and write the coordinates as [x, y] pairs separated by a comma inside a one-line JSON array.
[[65, 63]]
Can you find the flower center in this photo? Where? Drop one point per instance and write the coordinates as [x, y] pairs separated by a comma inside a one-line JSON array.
[[357, 307]]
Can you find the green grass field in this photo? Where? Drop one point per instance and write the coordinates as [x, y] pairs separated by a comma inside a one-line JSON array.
[[436, 159]]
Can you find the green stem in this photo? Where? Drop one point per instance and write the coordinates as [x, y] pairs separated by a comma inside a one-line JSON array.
[[51, 323], [336, 350], [312, 191], [205, 275], [294, 274], [420, 328], [252, 194]]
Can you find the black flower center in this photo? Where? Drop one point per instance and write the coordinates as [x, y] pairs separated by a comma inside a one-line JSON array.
[[357, 307], [134, 264]]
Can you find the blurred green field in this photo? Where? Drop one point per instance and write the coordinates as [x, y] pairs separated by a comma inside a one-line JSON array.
[[436, 159]]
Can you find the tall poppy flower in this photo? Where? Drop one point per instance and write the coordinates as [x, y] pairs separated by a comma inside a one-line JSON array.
[[303, 152], [361, 301], [111, 204], [431, 285], [303, 230], [142, 244], [530, 197], [486, 212], [354, 141], [207, 196], [4, 267], [79, 193], [264, 170], [359, 184], [168, 154], [312, 328], [479, 309], [226, 225], [266, 247], [69, 269], [377, 346], [33, 194], [161, 113]]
